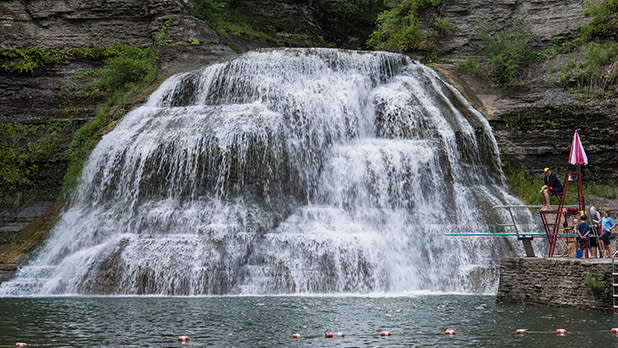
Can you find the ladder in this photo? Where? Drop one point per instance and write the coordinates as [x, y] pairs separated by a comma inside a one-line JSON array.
[[614, 281], [551, 218]]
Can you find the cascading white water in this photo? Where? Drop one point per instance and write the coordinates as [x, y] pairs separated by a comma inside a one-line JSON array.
[[284, 171]]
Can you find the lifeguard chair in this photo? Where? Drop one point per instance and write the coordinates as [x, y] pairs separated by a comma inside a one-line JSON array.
[[551, 218]]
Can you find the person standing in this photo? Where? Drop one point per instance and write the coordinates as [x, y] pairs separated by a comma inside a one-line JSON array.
[[607, 225], [582, 231], [552, 186], [595, 218]]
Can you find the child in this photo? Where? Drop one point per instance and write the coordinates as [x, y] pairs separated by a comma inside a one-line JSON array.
[[582, 231]]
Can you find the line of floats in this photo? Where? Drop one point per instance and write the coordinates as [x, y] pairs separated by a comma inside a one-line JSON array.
[[328, 334]]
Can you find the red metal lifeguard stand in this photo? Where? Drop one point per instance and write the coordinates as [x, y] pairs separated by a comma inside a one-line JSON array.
[[577, 156], [552, 218]]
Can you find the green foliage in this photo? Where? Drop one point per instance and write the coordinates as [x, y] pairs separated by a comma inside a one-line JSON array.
[[123, 75], [133, 65], [472, 67], [594, 74], [443, 28], [83, 142], [522, 185], [28, 60], [22, 148], [398, 29], [12, 237], [594, 185], [526, 186], [506, 51], [595, 286], [193, 41], [210, 11], [604, 22], [34, 59]]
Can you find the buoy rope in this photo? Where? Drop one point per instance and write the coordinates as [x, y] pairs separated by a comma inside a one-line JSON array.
[[393, 334]]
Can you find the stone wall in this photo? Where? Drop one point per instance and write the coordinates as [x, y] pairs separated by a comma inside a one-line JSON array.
[[556, 282]]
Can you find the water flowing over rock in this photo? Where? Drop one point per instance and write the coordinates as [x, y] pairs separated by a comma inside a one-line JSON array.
[[284, 171]]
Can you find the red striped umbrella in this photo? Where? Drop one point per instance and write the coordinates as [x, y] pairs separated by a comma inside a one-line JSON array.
[[577, 154]]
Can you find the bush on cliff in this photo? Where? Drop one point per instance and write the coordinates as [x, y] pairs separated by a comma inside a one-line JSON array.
[[398, 28], [210, 11], [506, 51], [604, 22]]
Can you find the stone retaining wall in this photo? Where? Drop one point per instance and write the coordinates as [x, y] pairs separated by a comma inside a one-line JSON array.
[[557, 282]]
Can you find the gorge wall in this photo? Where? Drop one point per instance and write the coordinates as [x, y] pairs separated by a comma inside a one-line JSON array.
[[533, 122], [47, 98]]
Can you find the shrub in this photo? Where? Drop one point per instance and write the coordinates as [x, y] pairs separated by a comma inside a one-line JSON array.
[[398, 29], [208, 10], [28, 60], [134, 65], [22, 148], [604, 22], [122, 75], [506, 51]]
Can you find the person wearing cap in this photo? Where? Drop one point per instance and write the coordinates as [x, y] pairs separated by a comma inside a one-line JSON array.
[[552, 187]]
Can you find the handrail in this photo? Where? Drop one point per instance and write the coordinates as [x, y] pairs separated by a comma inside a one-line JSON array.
[[506, 234], [531, 206], [614, 281]]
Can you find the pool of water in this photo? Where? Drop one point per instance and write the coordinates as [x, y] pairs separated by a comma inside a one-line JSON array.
[[270, 321]]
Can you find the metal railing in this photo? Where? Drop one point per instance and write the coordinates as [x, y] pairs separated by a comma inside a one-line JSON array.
[[614, 283]]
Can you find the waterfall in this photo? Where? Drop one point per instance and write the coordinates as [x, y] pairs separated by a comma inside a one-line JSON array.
[[284, 171]]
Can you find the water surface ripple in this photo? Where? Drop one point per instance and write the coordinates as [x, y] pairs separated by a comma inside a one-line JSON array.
[[231, 321]]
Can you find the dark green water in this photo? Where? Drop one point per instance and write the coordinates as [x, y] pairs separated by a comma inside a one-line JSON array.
[[416, 321]]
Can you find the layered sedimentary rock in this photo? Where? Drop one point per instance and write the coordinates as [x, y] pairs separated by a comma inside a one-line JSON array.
[[75, 23], [545, 18]]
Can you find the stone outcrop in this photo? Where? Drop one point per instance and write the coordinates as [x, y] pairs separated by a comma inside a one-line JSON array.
[[545, 18], [575, 283], [79, 23], [533, 121]]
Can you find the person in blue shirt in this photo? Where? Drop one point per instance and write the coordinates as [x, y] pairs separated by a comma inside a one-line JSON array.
[[552, 186], [607, 225]]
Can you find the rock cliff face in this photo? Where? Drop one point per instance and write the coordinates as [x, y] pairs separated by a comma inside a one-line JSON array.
[[546, 19], [42, 98], [534, 121], [77, 23]]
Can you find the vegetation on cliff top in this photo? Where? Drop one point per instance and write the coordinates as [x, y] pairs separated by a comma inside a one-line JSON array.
[[334, 21], [399, 29], [591, 73]]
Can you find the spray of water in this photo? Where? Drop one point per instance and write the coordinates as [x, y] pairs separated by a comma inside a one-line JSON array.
[[284, 171]]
